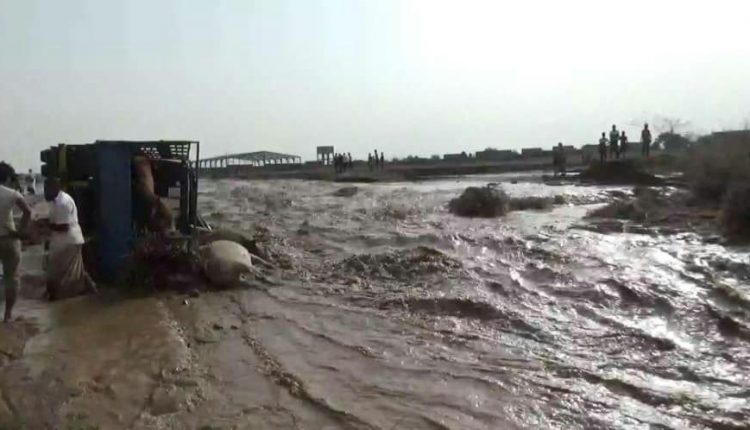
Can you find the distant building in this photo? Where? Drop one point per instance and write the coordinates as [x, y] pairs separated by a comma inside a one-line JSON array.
[[324, 154], [490, 154], [593, 149], [535, 153], [456, 157], [590, 152], [731, 136], [569, 149]]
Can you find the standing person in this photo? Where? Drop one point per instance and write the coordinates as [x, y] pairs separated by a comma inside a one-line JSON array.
[[624, 145], [377, 159], [10, 243], [558, 159], [351, 162], [31, 183], [603, 148], [645, 141], [369, 160], [66, 275], [614, 138], [382, 160]]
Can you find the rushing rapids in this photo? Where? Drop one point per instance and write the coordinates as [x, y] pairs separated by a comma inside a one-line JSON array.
[[388, 312], [411, 316]]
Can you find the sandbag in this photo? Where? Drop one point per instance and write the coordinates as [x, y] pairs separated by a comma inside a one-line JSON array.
[[224, 262]]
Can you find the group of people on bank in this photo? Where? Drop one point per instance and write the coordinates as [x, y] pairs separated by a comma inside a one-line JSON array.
[[377, 162], [64, 266], [618, 144], [612, 148], [343, 162]]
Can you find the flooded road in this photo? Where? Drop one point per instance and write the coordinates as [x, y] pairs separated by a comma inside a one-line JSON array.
[[391, 313]]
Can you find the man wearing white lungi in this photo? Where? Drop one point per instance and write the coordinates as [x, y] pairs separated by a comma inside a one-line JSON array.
[[66, 276]]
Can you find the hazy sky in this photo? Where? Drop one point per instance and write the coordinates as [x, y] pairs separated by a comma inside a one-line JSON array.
[[404, 76]]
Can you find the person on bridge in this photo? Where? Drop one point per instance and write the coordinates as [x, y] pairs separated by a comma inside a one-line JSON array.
[[614, 139], [603, 148], [10, 243], [645, 141]]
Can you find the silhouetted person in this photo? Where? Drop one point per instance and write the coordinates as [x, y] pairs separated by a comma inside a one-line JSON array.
[[558, 159], [10, 235], [369, 160], [614, 138], [645, 141], [351, 163], [603, 148], [377, 159], [382, 161], [31, 183], [624, 145]]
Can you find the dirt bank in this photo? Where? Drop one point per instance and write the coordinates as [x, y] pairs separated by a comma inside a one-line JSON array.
[[619, 172], [400, 171], [657, 211]]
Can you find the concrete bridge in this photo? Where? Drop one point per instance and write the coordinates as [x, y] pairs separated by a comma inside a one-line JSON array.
[[256, 159]]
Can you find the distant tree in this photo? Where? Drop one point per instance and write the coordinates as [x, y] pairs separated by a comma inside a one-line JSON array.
[[672, 141], [671, 124], [435, 157]]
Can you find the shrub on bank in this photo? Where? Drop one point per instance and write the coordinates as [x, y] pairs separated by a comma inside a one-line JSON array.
[[714, 164], [735, 212]]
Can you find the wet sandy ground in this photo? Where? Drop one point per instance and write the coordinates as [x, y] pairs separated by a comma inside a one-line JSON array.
[[390, 313]]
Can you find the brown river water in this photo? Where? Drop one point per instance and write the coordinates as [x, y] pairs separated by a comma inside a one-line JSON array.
[[388, 312]]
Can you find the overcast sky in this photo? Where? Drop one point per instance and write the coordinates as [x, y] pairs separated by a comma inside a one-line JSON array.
[[403, 76]]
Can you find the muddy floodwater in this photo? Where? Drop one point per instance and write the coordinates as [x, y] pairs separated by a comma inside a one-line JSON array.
[[388, 312]]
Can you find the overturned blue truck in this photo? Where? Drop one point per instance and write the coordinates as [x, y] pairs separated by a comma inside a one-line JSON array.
[[121, 188]]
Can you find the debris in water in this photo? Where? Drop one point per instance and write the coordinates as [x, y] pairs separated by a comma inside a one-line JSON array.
[[485, 202], [346, 192], [223, 262]]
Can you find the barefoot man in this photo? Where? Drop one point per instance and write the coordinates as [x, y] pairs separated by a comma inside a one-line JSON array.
[[66, 275], [10, 237]]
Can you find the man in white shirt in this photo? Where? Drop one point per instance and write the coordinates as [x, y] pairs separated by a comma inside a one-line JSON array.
[[10, 243], [66, 275]]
